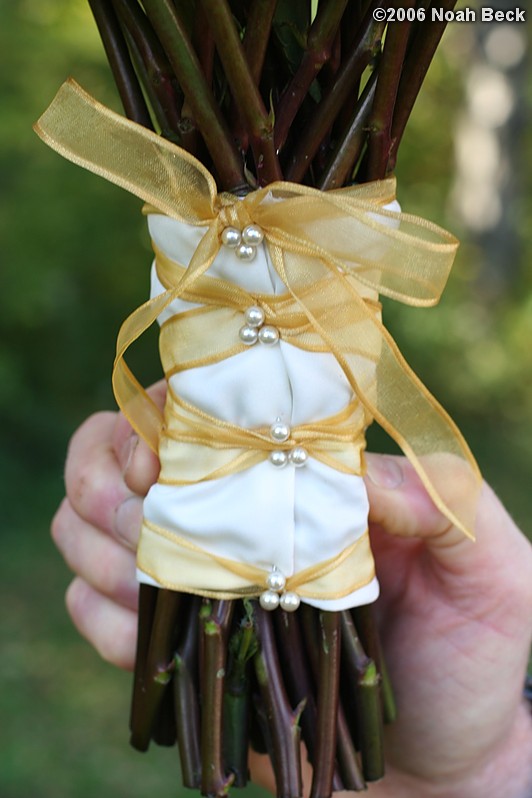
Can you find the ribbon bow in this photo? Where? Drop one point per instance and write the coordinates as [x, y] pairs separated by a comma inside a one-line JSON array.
[[344, 235]]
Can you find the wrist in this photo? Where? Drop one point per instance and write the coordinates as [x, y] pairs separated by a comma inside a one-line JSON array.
[[506, 771]]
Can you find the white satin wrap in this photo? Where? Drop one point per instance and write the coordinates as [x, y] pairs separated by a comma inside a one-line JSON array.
[[290, 518]]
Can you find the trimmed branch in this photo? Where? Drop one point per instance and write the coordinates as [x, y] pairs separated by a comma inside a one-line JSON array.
[[207, 115], [118, 56], [258, 123], [319, 45]]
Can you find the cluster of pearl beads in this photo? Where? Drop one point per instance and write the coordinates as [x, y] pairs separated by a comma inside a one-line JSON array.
[[276, 595], [244, 243], [297, 456], [255, 330]]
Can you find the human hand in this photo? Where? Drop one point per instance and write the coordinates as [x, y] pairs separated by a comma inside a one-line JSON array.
[[456, 626], [455, 616], [108, 472]]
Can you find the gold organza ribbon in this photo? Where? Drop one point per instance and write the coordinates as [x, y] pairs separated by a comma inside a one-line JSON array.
[[178, 564], [344, 234], [207, 334], [210, 448]]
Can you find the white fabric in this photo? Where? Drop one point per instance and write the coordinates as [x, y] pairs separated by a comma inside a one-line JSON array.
[[288, 518]]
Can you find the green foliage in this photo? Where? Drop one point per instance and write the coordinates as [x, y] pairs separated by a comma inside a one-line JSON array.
[[65, 288]]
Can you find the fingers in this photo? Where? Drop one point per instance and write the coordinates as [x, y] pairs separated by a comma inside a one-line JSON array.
[[95, 484], [108, 470], [100, 561], [109, 627]]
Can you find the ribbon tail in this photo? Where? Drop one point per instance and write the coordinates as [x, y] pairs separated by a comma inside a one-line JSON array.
[[137, 406], [141, 412], [428, 437], [391, 392]]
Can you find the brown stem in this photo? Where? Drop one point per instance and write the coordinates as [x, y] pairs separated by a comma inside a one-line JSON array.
[[164, 731], [355, 656], [319, 43], [118, 56], [354, 660], [348, 766], [371, 726], [160, 83], [311, 629], [257, 35], [153, 100], [350, 23], [380, 121], [242, 647], [255, 43], [282, 721], [204, 43], [158, 669], [417, 62], [351, 144], [365, 48], [244, 91], [147, 604], [216, 618], [368, 693], [328, 691], [207, 115], [186, 699], [297, 675], [366, 625]]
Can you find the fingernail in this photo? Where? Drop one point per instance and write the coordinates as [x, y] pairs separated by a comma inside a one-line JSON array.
[[385, 472], [128, 520], [125, 456]]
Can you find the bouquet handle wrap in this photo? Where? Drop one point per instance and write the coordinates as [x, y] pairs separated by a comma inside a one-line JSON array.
[[343, 232]]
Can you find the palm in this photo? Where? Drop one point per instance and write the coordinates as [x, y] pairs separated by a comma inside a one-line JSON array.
[[437, 627]]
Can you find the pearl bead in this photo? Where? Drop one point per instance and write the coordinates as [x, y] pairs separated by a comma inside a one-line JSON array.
[[278, 458], [289, 601], [254, 316], [298, 456], [276, 581], [268, 335], [269, 600], [245, 252], [252, 234], [248, 335], [280, 431], [231, 237]]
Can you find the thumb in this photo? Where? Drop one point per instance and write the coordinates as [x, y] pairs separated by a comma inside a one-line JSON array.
[[401, 506], [138, 463]]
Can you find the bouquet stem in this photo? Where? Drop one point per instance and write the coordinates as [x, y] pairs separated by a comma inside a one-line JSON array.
[[261, 91]]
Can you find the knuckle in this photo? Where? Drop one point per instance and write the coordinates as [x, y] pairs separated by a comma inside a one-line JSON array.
[[94, 491]]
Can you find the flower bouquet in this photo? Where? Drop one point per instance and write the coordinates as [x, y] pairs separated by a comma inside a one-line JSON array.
[[261, 136]]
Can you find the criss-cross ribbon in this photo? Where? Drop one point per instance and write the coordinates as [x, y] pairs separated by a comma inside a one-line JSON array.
[[345, 238]]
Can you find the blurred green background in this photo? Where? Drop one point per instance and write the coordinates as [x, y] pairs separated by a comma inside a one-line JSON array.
[[74, 259]]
